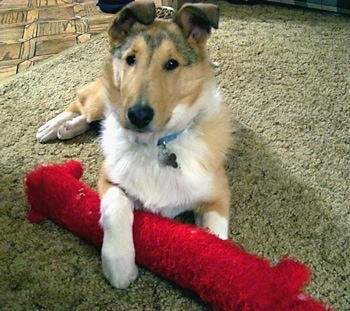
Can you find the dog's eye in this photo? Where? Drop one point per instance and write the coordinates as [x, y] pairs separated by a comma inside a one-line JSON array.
[[171, 64], [131, 60]]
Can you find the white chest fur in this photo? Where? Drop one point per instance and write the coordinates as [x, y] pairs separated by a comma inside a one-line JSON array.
[[134, 166]]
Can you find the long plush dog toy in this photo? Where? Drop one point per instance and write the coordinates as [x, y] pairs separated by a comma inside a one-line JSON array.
[[220, 272]]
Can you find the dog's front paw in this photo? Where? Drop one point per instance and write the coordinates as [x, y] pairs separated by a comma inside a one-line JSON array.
[[119, 271], [48, 131], [72, 128]]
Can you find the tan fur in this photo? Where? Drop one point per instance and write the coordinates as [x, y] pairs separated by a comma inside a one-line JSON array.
[[103, 183], [163, 92], [220, 197], [217, 135], [89, 101]]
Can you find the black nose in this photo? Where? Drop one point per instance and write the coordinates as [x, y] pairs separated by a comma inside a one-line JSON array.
[[140, 115]]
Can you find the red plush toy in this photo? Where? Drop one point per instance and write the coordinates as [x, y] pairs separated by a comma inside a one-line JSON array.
[[220, 272]]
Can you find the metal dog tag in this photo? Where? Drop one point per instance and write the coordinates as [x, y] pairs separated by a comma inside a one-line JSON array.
[[166, 158]]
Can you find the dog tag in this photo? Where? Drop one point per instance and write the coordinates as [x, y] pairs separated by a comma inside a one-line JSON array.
[[166, 158]]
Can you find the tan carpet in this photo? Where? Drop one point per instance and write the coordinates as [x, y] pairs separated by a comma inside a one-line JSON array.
[[285, 73]]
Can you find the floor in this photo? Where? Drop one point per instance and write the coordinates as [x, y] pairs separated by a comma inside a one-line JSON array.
[[33, 30]]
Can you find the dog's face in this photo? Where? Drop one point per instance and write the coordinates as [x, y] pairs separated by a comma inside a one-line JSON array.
[[158, 68]]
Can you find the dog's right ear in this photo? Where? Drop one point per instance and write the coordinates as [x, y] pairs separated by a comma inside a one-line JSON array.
[[197, 19], [137, 11]]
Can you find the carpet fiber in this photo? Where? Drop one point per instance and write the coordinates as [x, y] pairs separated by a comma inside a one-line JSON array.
[[285, 74]]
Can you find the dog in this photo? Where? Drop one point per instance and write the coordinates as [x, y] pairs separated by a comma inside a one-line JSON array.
[[166, 130]]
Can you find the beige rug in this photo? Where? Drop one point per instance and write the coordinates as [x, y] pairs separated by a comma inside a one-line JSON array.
[[286, 74]]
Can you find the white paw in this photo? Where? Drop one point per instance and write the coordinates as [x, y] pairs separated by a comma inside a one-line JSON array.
[[72, 128], [48, 131], [119, 271], [118, 251], [215, 223]]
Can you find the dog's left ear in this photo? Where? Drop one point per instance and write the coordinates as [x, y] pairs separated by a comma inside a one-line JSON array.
[[197, 20]]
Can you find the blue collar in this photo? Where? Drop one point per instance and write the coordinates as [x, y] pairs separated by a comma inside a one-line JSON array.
[[169, 138]]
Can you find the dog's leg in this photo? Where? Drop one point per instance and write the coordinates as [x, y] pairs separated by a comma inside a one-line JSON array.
[[214, 214], [118, 252], [48, 131], [66, 125], [75, 120], [215, 222], [72, 128]]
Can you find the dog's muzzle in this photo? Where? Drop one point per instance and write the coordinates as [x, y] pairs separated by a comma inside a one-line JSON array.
[[140, 116]]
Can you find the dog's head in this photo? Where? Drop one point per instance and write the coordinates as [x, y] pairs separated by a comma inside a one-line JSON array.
[[158, 68]]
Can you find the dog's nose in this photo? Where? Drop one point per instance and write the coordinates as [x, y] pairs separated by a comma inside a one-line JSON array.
[[140, 115]]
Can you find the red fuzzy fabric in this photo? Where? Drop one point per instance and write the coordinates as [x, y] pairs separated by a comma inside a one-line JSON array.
[[220, 272], [55, 192]]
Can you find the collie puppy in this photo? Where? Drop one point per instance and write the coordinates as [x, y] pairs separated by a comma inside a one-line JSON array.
[[166, 129]]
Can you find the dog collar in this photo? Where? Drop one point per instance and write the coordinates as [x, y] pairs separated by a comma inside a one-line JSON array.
[[169, 138], [165, 156]]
